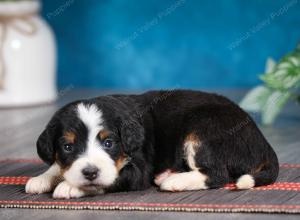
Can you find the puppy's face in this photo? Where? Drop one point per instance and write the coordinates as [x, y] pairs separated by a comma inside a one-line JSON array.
[[88, 145]]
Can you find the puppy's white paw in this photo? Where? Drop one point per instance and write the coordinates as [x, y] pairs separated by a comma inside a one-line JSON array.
[[192, 180], [65, 191], [245, 182], [173, 183], [162, 176], [39, 184]]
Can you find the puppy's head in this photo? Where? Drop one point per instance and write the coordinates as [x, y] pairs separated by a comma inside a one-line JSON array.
[[92, 141]]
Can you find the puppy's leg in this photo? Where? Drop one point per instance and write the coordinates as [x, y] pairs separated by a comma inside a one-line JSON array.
[[66, 191], [213, 176], [44, 182], [193, 180]]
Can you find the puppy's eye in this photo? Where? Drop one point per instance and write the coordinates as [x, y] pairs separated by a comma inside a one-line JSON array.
[[68, 147], [108, 143]]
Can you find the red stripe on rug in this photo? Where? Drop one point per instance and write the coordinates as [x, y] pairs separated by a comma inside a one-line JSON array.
[[285, 165], [14, 180], [138, 204], [34, 161], [290, 186]]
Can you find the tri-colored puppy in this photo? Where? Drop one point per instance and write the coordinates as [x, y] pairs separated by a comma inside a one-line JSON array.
[[179, 140]]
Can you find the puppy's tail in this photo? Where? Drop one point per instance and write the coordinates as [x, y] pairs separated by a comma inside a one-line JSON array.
[[264, 176]]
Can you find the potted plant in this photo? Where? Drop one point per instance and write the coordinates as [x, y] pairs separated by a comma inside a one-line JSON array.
[[281, 84]]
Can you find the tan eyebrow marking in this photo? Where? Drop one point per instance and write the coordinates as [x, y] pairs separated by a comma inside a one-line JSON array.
[[70, 137], [103, 134]]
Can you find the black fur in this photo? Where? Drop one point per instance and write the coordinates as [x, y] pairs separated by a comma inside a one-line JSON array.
[[151, 128]]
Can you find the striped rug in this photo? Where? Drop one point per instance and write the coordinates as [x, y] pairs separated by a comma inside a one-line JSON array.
[[280, 197]]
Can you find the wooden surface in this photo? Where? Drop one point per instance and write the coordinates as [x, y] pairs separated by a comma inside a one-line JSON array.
[[19, 129]]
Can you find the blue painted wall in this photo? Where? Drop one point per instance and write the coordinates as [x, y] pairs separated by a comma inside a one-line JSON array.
[[134, 44]]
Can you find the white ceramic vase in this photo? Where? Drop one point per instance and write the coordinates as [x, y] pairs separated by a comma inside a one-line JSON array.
[[27, 56]]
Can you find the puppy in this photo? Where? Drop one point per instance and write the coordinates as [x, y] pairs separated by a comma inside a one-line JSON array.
[[180, 140]]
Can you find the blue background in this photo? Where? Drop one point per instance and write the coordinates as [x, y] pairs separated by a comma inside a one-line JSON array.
[[134, 44]]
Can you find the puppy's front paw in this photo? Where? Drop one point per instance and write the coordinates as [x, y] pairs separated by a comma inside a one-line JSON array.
[[39, 184], [65, 191]]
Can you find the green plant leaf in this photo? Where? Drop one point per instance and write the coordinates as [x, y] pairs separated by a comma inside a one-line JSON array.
[[282, 78], [271, 81], [285, 75], [273, 106], [270, 65], [255, 99]]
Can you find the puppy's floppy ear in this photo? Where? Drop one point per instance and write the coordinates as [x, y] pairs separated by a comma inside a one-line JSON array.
[[132, 135], [46, 142]]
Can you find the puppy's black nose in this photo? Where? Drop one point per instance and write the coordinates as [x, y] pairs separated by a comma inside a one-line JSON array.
[[90, 172]]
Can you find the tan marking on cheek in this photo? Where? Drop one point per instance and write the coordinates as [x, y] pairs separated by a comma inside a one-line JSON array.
[[103, 134], [191, 146], [63, 169], [57, 160], [121, 161], [70, 137]]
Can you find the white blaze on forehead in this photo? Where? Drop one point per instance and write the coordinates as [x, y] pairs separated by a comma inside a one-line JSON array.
[[90, 115]]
